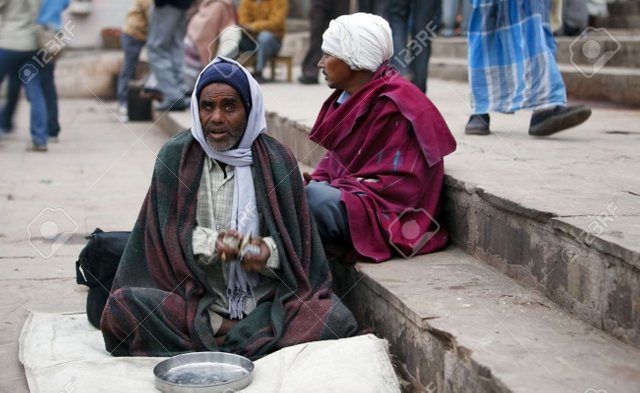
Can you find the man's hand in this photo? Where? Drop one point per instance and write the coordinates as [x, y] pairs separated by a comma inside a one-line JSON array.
[[256, 262], [228, 252]]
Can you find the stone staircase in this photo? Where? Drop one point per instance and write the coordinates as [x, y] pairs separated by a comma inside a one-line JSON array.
[[599, 65], [623, 14], [535, 293]]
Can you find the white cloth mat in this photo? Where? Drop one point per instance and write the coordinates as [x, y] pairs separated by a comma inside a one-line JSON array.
[[64, 353]]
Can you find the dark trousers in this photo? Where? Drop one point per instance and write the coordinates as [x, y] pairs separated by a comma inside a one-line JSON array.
[[377, 7], [13, 94], [328, 212], [51, 99], [320, 14], [411, 54], [50, 95], [132, 48]]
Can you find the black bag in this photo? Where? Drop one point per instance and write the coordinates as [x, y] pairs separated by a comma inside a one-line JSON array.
[[96, 267]]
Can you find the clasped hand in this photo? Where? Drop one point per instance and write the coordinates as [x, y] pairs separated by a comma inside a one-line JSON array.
[[230, 250]]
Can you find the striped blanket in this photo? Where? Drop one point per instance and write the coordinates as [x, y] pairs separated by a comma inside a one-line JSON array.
[[160, 295], [512, 62]]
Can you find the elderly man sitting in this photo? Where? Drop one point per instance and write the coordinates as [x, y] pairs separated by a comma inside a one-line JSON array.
[[183, 283], [377, 190]]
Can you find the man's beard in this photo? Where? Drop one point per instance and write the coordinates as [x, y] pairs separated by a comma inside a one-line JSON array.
[[234, 138]]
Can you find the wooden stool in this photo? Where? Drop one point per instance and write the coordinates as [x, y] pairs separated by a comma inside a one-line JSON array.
[[287, 61]]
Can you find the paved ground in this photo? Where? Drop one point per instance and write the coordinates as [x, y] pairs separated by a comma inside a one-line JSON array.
[[97, 175], [99, 172]]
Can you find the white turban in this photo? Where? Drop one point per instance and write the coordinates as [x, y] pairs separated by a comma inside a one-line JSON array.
[[361, 40]]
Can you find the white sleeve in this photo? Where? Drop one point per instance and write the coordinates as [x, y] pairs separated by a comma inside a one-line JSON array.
[[273, 263], [204, 244]]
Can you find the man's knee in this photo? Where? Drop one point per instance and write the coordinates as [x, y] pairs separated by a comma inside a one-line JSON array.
[[327, 209], [320, 196], [118, 299], [265, 37]]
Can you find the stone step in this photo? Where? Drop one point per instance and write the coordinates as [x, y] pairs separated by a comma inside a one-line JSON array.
[[88, 73], [620, 48], [621, 22], [621, 8], [542, 244], [611, 84], [460, 326]]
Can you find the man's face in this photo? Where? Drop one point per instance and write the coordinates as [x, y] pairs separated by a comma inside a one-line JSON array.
[[222, 116], [336, 72]]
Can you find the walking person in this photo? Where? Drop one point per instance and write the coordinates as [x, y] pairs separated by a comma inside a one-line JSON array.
[[50, 20], [10, 104], [508, 73], [412, 54], [18, 54], [320, 14], [376, 7], [450, 12]]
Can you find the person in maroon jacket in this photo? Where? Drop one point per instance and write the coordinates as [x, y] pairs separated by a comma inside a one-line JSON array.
[[377, 190]]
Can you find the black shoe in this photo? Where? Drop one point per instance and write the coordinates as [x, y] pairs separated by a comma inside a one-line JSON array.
[[478, 125], [549, 121], [307, 80], [258, 77], [37, 148]]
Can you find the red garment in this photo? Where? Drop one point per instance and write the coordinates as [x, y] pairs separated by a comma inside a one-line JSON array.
[[385, 146]]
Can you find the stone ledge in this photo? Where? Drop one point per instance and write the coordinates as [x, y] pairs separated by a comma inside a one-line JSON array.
[[624, 46], [587, 279], [529, 247], [460, 326], [616, 85], [88, 74]]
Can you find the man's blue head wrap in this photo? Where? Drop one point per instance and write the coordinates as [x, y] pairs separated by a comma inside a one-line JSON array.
[[230, 74]]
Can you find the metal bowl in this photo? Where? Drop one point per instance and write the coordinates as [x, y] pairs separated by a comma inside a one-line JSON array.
[[200, 372]]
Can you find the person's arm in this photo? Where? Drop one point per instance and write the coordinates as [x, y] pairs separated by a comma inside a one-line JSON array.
[[321, 171], [245, 14], [274, 21], [204, 245]]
